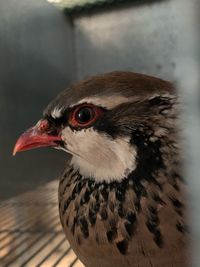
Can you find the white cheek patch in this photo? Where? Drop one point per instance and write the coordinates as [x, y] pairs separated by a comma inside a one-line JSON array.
[[98, 156]]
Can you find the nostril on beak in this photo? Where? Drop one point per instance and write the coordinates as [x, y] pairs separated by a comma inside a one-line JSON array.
[[43, 125]]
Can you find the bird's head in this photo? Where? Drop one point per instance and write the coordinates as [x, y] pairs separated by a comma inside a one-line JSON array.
[[102, 121]]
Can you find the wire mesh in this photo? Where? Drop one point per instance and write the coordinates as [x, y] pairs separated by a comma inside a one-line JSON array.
[[30, 231]]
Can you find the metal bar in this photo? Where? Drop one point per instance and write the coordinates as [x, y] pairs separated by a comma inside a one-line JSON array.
[[28, 247], [16, 236], [38, 250], [51, 252], [8, 263], [73, 262], [61, 257], [18, 255]]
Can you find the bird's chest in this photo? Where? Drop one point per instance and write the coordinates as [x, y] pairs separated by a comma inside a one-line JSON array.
[[117, 224], [94, 217]]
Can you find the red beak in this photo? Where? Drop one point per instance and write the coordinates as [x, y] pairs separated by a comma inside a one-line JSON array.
[[35, 137]]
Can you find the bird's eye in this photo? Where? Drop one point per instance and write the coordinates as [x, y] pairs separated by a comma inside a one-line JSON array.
[[85, 115]]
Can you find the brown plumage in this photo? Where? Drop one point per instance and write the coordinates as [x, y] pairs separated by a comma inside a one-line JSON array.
[[122, 195]]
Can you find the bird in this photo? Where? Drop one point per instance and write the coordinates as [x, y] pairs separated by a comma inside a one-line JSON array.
[[122, 195]]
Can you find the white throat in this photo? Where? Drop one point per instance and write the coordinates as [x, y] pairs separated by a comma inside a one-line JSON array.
[[98, 156]]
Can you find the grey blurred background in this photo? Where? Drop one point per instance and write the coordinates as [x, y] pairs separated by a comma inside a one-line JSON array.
[[47, 45]]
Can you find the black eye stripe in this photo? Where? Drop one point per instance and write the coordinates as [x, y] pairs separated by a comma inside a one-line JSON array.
[[63, 120]]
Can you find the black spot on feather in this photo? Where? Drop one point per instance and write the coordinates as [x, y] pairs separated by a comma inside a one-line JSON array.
[[122, 247], [121, 211], [104, 193], [176, 202], [92, 216], [111, 234], [131, 217], [83, 226], [130, 228], [158, 238], [103, 213], [182, 227], [158, 199]]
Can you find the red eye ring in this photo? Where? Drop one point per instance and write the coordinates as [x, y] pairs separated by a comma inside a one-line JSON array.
[[84, 115]]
